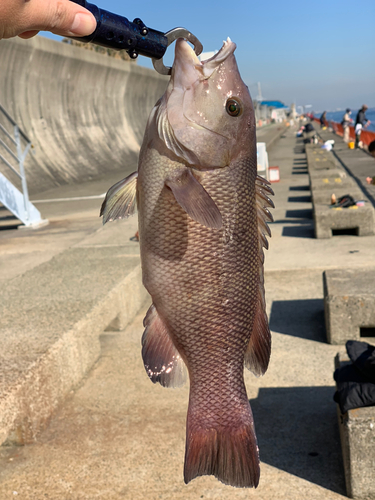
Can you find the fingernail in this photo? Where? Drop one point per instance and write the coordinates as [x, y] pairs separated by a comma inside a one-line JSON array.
[[83, 24]]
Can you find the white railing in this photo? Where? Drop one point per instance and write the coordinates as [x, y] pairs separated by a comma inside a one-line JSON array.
[[14, 146]]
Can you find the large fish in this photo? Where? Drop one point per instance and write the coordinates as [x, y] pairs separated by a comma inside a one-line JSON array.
[[203, 215]]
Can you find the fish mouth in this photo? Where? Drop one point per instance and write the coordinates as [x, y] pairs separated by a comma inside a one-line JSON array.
[[204, 70], [187, 68], [177, 124], [211, 64]]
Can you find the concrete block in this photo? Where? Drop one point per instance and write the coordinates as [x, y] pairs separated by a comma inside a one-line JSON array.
[[322, 161], [357, 435], [349, 303], [323, 197], [315, 151], [329, 173], [322, 164], [329, 182], [360, 219], [319, 160], [51, 320]]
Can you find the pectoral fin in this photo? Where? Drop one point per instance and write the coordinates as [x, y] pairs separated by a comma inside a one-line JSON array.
[[120, 200], [194, 199]]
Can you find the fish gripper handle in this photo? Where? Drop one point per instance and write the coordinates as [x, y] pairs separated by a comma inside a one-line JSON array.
[[117, 32]]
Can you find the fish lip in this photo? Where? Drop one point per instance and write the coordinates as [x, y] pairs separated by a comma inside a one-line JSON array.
[[209, 65], [186, 58]]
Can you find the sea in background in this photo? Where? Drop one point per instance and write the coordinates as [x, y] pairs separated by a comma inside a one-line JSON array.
[[337, 116]]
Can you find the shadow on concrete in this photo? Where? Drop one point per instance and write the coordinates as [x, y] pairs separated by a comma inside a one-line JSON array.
[[298, 150], [299, 318], [297, 432], [300, 161], [299, 188], [299, 199], [289, 221], [298, 172], [7, 220], [303, 213], [10, 227], [300, 231]]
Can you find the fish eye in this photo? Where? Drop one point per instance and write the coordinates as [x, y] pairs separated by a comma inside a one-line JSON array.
[[233, 107]]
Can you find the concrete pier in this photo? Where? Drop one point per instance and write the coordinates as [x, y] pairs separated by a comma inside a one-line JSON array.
[[115, 434], [84, 112], [79, 418]]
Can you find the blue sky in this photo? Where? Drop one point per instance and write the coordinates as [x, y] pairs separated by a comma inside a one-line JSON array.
[[319, 53]]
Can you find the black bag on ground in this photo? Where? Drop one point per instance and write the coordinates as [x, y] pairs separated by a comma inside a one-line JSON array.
[[309, 128], [356, 381], [344, 201]]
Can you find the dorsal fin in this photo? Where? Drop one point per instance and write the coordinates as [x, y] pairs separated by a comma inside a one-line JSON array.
[[259, 349]]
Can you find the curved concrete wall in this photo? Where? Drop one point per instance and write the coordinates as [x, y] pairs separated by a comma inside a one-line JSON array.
[[84, 112]]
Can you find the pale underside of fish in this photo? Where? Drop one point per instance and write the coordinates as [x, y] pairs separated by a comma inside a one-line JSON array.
[[203, 214]]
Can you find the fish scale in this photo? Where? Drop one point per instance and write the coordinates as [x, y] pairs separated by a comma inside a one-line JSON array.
[[209, 336], [203, 216]]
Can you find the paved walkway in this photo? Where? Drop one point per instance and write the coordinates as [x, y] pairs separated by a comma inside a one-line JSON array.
[[117, 436]]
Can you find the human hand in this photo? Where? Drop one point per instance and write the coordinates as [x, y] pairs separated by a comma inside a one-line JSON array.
[[26, 18]]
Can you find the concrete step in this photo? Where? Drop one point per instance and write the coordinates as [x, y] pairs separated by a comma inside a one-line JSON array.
[[51, 319]]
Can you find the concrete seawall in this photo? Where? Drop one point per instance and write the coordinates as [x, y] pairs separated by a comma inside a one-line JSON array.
[[84, 112]]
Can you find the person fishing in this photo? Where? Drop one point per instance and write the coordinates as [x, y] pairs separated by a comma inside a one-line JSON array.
[[361, 122], [346, 121], [322, 120]]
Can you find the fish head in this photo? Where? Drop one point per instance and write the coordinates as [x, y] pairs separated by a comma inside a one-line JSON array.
[[206, 116]]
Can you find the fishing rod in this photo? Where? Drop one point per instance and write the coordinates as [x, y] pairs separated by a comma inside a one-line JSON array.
[[117, 32]]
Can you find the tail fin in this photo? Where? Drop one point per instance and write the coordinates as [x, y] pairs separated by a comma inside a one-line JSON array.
[[229, 453]]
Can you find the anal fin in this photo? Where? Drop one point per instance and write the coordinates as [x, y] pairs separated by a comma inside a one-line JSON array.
[[161, 359]]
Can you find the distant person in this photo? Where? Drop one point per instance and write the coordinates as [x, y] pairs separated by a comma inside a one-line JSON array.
[[361, 122], [323, 120], [346, 121], [25, 18]]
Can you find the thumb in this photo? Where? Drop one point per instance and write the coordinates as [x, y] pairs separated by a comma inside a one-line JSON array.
[[61, 17]]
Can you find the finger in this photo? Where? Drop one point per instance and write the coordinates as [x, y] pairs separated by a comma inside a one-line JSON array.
[[63, 17], [28, 34], [82, 25], [58, 16]]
